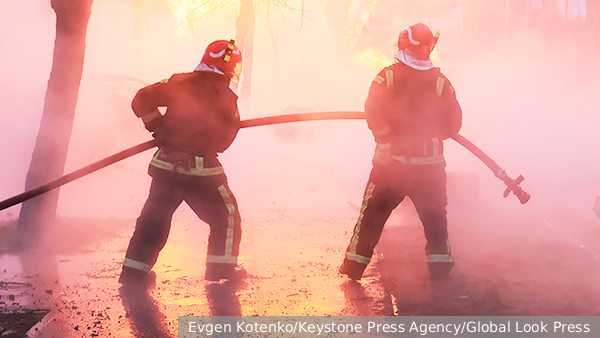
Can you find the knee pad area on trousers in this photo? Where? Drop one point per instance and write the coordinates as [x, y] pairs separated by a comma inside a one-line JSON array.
[[152, 235]]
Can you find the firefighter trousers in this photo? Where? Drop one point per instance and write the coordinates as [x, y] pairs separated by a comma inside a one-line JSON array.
[[208, 196], [386, 188]]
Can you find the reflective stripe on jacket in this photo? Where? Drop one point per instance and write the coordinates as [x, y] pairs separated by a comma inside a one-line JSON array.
[[201, 118], [186, 164], [413, 111]]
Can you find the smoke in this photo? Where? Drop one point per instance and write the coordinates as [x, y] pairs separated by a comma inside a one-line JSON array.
[[533, 111], [528, 99], [26, 59]]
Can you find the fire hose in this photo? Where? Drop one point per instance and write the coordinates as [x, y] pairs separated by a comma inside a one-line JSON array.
[[511, 184]]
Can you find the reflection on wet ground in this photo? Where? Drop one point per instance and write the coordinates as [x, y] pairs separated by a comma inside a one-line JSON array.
[[291, 258], [144, 314], [222, 298]]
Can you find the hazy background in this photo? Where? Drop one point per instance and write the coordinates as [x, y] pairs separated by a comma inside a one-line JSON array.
[[529, 99]]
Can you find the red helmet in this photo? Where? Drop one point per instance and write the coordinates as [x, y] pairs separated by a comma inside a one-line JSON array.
[[418, 39], [225, 56]]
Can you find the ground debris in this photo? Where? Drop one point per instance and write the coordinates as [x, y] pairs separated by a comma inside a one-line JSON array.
[[18, 323]]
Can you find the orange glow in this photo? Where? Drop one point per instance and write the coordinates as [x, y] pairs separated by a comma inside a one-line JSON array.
[[373, 59], [529, 103], [190, 11], [358, 17], [435, 57]]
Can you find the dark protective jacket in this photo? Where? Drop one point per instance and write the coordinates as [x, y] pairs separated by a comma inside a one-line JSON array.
[[411, 111], [202, 117]]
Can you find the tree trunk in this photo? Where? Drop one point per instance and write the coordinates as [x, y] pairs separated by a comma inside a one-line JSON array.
[[244, 37], [50, 152]]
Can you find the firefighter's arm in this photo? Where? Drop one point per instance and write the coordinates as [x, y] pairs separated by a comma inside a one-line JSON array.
[[454, 113], [146, 102], [377, 119], [229, 123], [451, 119]]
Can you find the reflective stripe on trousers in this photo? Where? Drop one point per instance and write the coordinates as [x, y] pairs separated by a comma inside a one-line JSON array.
[[131, 263], [351, 253], [228, 257], [386, 189]]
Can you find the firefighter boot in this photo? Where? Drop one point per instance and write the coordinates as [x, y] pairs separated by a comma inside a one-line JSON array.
[[439, 271], [352, 269], [137, 278], [215, 272]]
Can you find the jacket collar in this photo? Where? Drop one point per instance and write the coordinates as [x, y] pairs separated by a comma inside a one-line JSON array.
[[409, 59], [203, 67]]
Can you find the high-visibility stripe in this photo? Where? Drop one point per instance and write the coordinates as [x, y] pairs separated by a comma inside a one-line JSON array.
[[379, 79], [439, 87], [419, 160], [164, 81], [128, 262], [354, 241], [382, 131], [389, 77], [198, 171], [151, 116], [358, 258], [439, 258], [410, 37], [221, 259], [230, 220], [228, 52], [384, 146], [436, 146]]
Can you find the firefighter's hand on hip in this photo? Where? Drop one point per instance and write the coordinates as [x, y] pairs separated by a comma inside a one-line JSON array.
[[382, 155]]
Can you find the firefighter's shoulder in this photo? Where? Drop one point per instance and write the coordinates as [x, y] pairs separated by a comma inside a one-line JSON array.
[[443, 84], [177, 77], [385, 77]]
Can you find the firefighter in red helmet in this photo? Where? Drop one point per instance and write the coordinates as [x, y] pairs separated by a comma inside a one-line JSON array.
[[411, 108], [200, 121]]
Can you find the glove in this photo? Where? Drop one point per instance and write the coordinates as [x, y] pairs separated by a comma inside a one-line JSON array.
[[382, 155], [153, 121]]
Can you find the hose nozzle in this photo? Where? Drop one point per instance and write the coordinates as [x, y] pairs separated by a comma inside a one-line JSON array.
[[513, 185]]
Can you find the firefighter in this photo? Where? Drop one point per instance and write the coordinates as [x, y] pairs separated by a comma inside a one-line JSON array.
[[200, 121], [411, 108]]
